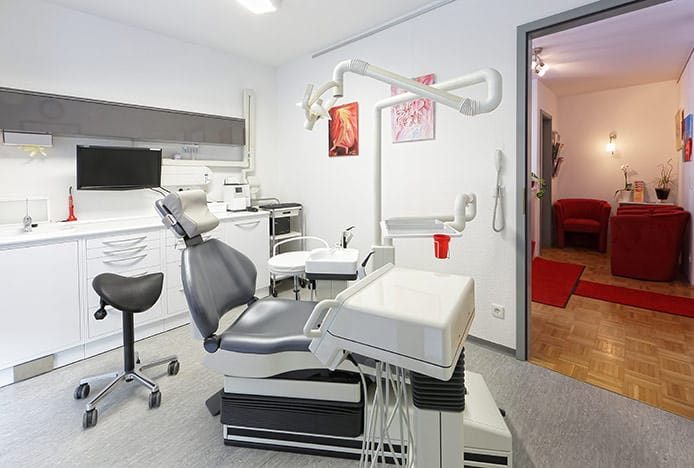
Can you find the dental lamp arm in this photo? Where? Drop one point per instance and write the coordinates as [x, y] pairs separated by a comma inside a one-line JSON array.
[[315, 109]]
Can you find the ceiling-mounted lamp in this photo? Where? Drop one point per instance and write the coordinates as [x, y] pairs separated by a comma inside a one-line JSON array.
[[611, 147], [537, 64], [259, 7]]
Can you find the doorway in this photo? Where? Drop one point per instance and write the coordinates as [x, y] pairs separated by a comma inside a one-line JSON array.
[[622, 348], [547, 165]]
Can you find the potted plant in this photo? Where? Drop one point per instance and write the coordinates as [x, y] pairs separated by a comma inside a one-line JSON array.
[[537, 185], [625, 194], [664, 180]]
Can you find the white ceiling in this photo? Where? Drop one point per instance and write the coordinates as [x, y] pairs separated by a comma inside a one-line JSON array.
[[298, 28], [645, 46]]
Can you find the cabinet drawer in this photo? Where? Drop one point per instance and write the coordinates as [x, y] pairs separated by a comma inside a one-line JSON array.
[[146, 261], [122, 241], [176, 301]]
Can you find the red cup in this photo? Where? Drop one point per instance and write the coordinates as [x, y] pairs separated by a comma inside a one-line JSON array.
[[441, 245]]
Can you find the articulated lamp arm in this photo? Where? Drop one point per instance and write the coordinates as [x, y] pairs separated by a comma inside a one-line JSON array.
[[314, 107]]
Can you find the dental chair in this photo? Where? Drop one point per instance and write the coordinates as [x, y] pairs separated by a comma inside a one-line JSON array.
[[277, 394]]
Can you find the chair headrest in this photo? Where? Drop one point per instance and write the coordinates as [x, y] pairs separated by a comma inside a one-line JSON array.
[[186, 213]]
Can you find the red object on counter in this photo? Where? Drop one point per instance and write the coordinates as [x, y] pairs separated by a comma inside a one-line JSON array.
[[71, 205]]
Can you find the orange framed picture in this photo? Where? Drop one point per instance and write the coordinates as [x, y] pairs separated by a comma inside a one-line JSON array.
[[343, 132]]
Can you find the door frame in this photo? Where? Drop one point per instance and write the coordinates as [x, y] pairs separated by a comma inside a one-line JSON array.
[[525, 33]]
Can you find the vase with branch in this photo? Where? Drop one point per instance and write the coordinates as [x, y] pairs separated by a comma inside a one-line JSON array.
[[626, 193], [664, 181]]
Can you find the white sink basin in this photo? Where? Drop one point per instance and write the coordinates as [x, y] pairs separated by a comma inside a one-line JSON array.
[[333, 261]]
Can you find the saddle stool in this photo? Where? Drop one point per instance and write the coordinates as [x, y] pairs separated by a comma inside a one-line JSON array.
[[130, 295]]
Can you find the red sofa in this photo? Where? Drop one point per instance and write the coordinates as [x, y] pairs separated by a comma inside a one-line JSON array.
[[584, 216], [646, 241]]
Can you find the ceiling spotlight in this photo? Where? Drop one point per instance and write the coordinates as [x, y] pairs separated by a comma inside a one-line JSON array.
[[260, 6], [537, 64]]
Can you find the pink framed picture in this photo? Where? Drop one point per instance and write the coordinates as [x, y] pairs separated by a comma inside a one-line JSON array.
[[343, 132], [414, 120]]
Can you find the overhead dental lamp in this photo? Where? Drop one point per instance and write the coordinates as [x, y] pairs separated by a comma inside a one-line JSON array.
[[465, 206]]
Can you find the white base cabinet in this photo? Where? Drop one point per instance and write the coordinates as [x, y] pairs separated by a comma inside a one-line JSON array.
[[48, 302], [39, 287]]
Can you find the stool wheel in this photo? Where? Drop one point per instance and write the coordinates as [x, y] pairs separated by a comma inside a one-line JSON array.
[[174, 367], [89, 418], [154, 399], [82, 391]]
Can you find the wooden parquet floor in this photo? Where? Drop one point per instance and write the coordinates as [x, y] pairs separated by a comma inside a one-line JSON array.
[[638, 353]]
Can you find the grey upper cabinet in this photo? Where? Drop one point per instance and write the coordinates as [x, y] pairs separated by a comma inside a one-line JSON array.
[[30, 111]]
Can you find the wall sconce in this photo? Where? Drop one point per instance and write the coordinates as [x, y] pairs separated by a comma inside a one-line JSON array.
[[611, 147]]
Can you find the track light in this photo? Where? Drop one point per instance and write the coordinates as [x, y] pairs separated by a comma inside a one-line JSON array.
[[537, 64]]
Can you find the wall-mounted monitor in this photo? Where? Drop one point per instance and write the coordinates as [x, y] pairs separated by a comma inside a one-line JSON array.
[[117, 168]]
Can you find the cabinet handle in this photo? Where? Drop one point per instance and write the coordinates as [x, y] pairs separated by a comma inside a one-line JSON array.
[[140, 274], [133, 259], [132, 240], [129, 249], [248, 223]]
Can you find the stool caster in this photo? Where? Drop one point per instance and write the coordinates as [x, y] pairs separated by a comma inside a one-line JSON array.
[[82, 391], [90, 418], [174, 367], [154, 399]]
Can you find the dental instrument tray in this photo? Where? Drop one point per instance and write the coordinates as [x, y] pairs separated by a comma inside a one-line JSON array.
[[416, 227], [414, 319]]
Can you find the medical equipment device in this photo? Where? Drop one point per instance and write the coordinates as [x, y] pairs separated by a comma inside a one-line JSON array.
[[129, 295], [498, 194], [465, 205], [278, 395], [236, 196], [289, 264]]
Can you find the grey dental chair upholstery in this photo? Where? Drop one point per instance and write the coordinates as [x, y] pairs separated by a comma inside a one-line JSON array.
[[275, 389], [218, 278]]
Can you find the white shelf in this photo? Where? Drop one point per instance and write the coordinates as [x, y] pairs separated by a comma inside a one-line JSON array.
[[394, 228]]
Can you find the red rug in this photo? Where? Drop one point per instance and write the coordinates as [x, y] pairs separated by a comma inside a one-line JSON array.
[[553, 282], [677, 305]]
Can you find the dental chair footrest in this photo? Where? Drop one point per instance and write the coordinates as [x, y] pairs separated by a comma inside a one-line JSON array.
[[333, 418]]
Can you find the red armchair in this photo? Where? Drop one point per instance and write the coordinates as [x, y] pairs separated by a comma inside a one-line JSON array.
[[582, 215], [647, 243]]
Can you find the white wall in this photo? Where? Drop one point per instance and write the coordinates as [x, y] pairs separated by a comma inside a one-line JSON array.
[[542, 100], [44, 47], [686, 174], [420, 177], [642, 117]]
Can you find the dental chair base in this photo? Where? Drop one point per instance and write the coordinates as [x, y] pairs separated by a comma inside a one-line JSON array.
[[321, 418]]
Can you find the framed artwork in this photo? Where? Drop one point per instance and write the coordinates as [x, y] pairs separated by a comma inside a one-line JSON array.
[[343, 132], [687, 139], [679, 117], [414, 120]]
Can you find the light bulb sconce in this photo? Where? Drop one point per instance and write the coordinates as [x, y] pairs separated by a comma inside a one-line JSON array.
[[611, 147], [537, 64]]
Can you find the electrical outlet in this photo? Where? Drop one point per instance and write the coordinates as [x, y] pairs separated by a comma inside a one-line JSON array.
[[498, 311]]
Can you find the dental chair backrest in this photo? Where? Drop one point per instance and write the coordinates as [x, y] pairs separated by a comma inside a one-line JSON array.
[[216, 277]]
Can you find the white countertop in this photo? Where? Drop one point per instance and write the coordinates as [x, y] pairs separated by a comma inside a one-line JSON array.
[[59, 231]]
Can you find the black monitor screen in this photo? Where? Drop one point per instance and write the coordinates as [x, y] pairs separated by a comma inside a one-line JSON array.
[[117, 168]]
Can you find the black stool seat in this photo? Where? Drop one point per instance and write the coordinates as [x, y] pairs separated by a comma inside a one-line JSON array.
[[128, 294]]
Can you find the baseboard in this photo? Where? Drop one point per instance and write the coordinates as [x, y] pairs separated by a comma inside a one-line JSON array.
[[491, 345]]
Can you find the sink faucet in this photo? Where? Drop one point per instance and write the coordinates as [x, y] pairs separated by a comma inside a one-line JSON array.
[[346, 237], [27, 219]]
